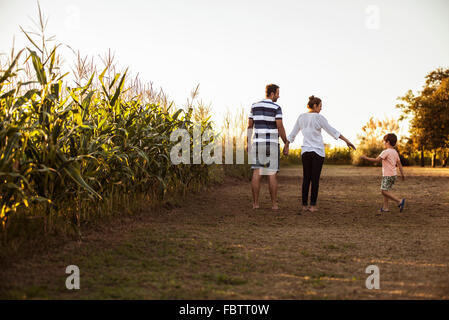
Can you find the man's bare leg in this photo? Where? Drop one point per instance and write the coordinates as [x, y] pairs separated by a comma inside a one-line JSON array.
[[255, 186], [273, 186]]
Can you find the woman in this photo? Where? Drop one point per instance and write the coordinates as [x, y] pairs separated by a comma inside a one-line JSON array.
[[312, 150]]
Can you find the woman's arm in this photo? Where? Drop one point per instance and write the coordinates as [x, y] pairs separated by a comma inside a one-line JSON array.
[[328, 128], [334, 132], [281, 131], [291, 137], [348, 143]]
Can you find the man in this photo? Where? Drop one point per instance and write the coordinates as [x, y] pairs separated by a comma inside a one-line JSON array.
[[266, 119]]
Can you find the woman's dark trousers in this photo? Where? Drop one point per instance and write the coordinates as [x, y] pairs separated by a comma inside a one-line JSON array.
[[311, 166]]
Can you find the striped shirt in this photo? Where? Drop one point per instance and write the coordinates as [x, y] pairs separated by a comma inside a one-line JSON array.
[[264, 114]]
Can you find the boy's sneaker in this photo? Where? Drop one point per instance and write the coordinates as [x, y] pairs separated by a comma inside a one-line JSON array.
[[401, 205]]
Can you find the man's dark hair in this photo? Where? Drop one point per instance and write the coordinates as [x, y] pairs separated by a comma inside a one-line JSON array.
[[270, 88], [391, 138]]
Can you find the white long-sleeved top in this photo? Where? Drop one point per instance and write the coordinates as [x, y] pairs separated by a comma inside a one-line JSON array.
[[310, 124]]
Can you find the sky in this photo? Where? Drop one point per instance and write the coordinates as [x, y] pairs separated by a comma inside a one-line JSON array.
[[358, 56]]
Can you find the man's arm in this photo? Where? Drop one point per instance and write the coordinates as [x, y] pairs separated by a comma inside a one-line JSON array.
[[281, 131], [250, 123], [249, 132]]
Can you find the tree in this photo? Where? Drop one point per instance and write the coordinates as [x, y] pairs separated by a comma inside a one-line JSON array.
[[428, 113], [370, 141]]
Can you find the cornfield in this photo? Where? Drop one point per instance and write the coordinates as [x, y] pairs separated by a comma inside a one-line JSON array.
[[69, 153]]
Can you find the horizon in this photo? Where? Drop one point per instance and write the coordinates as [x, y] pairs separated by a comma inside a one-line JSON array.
[[369, 47]]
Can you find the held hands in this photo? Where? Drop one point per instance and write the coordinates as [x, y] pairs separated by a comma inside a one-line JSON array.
[[286, 149]]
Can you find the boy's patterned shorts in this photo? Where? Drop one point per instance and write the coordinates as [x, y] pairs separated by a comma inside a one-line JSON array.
[[387, 182]]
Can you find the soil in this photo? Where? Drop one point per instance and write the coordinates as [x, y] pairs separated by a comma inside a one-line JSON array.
[[215, 246]]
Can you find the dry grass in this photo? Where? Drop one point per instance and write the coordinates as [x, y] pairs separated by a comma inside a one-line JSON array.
[[215, 246]]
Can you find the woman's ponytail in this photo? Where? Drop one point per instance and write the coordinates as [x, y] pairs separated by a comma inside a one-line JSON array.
[[312, 101]]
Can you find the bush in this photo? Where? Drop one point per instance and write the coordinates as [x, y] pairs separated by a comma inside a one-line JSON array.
[[340, 156], [293, 158], [370, 149]]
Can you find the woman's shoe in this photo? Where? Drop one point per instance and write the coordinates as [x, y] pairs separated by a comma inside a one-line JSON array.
[[383, 210]]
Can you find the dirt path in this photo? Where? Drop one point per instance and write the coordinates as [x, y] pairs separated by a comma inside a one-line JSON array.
[[215, 246]]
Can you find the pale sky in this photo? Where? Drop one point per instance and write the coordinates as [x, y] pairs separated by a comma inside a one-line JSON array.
[[357, 56]]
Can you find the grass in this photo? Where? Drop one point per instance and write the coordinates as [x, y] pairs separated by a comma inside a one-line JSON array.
[[214, 246]]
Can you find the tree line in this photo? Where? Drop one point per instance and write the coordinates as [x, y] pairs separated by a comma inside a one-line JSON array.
[[428, 113]]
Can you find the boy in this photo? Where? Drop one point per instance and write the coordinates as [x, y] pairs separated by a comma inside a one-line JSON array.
[[390, 158]]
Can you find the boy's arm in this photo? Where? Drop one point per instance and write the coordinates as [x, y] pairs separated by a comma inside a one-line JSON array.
[[375, 160], [400, 169]]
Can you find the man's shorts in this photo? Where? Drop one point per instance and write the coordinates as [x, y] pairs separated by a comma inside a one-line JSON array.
[[270, 163], [387, 182]]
